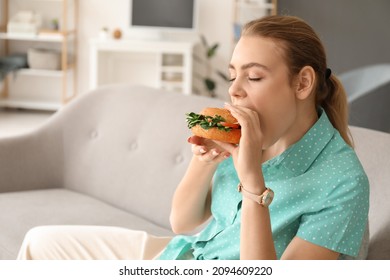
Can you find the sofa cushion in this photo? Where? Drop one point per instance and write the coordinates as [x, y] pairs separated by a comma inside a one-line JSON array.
[[373, 149], [59, 206], [127, 146]]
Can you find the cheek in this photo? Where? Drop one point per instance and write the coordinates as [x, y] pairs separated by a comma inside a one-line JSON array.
[[277, 113], [274, 101]]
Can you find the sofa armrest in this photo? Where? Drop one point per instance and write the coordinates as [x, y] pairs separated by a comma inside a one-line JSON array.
[[31, 161]]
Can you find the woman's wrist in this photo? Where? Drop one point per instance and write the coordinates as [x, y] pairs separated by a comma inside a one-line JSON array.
[[205, 166], [254, 185]]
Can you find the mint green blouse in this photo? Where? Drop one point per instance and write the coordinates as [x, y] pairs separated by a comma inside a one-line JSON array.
[[321, 195]]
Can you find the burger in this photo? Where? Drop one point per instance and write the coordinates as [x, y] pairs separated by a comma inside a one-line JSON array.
[[215, 124]]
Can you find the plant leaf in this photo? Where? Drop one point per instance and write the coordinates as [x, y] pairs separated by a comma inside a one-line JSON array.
[[204, 41], [212, 50], [223, 75], [210, 84]]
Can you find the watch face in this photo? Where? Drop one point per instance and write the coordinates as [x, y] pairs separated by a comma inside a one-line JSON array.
[[268, 197]]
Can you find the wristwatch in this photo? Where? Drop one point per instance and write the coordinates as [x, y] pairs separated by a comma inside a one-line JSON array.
[[264, 199]]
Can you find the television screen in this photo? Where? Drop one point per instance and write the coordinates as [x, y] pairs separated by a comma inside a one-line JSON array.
[[178, 14]]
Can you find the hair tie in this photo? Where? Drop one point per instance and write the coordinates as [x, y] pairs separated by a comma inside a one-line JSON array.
[[328, 72]]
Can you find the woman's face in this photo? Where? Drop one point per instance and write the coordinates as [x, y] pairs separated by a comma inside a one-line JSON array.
[[260, 81]]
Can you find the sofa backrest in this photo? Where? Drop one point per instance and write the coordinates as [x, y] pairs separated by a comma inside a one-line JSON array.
[[127, 145], [373, 150], [368, 87]]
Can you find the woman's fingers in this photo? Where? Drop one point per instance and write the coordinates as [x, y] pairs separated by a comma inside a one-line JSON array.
[[244, 116], [207, 150], [229, 148], [198, 150], [209, 155], [195, 140]]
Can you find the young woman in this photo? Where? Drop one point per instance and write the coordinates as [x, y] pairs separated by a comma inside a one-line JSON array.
[[295, 144], [295, 147]]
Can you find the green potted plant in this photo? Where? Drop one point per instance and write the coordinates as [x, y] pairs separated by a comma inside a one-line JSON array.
[[209, 82], [54, 24]]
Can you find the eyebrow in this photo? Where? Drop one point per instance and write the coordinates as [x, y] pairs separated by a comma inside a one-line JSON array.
[[250, 65]]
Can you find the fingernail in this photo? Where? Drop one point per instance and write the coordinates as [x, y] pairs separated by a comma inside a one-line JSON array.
[[227, 156], [215, 153], [189, 139], [202, 150]]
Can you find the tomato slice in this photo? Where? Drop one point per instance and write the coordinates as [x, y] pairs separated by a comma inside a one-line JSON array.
[[232, 125]]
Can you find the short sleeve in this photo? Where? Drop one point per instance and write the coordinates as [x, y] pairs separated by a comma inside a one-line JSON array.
[[339, 219]]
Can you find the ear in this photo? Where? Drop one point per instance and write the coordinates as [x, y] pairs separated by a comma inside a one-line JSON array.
[[305, 82]]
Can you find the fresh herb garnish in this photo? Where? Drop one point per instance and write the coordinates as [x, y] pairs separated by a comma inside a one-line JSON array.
[[206, 122]]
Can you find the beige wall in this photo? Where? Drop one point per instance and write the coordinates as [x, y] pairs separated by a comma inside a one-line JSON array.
[[215, 21]]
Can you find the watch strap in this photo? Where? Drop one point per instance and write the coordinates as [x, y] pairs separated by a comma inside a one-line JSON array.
[[255, 197]]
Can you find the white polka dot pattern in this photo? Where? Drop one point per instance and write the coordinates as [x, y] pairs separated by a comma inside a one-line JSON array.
[[321, 195]]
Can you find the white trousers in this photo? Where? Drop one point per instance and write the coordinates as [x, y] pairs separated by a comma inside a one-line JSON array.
[[90, 243]]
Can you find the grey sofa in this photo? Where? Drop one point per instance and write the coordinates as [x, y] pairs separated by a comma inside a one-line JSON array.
[[368, 90], [114, 157]]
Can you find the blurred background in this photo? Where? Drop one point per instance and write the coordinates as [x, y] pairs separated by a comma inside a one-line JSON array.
[[355, 33]]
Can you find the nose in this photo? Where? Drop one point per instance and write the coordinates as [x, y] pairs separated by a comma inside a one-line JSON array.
[[236, 90]]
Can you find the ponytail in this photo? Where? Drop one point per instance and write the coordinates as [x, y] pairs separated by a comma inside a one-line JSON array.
[[302, 47], [335, 105]]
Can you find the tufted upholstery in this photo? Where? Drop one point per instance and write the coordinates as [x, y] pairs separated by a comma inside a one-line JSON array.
[[118, 148], [114, 157], [131, 144]]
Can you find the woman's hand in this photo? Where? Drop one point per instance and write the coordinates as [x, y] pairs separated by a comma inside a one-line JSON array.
[[207, 151], [247, 156], [191, 204]]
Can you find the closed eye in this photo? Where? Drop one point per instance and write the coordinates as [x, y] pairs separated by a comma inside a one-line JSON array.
[[250, 79]]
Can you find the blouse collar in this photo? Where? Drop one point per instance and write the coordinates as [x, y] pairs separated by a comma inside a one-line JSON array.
[[301, 155]]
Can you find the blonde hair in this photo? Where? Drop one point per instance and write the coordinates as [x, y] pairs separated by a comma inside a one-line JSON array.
[[302, 47]]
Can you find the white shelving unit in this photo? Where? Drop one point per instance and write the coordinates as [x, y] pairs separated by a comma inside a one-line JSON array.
[[35, 88], [162, 64]]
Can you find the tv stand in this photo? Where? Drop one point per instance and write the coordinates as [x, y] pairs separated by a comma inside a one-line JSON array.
[[161, 64]]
